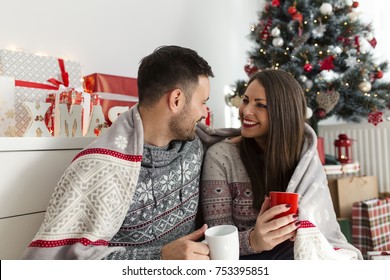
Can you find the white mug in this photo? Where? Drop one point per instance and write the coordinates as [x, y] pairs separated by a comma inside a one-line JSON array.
[[223, 242]]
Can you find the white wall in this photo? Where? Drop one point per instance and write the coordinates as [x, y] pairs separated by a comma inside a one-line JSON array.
[[111, 36]]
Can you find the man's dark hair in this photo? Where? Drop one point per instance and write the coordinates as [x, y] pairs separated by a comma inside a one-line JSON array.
[[168, 68]]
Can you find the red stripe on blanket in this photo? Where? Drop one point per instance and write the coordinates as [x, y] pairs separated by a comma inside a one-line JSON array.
[[306, 224], [64, 242], [100, 151]]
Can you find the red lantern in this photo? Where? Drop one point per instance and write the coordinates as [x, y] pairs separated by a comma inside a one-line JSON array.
[[343, 149]]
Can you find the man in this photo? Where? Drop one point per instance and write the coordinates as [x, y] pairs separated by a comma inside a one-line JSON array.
[[133, 193]]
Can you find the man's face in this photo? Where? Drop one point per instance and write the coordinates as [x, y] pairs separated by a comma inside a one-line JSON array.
[[183, 125]]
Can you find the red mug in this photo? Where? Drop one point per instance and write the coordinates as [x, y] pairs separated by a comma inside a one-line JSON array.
[[277, 198]]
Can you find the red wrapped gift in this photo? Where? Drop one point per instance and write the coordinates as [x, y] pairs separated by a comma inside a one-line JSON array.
[[114, 91]]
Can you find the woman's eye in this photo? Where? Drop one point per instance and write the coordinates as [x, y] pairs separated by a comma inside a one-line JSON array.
[[260, 105], [245, 101]]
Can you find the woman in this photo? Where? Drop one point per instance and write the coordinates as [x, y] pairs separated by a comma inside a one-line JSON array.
[[275, 152]]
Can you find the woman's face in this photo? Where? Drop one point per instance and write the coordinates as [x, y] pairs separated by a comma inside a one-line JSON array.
[[254, 114]]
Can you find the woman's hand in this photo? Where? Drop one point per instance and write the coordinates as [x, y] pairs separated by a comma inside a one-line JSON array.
[[269, 232]]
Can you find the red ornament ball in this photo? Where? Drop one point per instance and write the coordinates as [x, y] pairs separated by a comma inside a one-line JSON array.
[[355, 4], [307, 67], [297, 16], [292, 10], [378, 74], [320, 113]]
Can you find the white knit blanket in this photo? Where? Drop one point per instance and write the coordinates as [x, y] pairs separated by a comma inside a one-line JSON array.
[[311, 244], [320, 236], [91, 199]]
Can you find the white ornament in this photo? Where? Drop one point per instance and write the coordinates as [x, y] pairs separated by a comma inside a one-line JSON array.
[[277, 42], [326, 9], [349, 2], [335, 50], [319, 31], [309, 84], [303, 78], [275, 32], [309, 113], [365, 86], [350, 61]]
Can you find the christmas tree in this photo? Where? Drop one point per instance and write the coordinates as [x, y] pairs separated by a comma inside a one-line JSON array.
[[329, 50]]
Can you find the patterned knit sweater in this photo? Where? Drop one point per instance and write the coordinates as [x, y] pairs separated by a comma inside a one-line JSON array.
[[227, 193], [165, 201]]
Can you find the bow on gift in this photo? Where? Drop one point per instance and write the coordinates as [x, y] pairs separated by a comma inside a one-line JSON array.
[[64, 75], [55, 83]]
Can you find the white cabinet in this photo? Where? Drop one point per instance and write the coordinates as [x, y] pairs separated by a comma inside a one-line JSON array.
[[29, 170]]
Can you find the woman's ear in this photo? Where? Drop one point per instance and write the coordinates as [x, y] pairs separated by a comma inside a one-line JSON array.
[[176, 100]]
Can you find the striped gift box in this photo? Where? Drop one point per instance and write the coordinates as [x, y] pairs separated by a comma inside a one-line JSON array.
[[371, 225]]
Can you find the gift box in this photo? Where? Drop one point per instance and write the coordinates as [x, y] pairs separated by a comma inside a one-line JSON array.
[[7, 110], [35, 77], [371, 225], [347, 190], [116, 94]]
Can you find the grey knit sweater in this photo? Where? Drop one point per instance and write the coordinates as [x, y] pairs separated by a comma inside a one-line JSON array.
[[165, 202]]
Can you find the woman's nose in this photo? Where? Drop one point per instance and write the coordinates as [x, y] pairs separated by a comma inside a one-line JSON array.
[[247, 110]]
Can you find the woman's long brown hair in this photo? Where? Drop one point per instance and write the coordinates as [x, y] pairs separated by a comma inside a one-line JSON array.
[[271, 169]]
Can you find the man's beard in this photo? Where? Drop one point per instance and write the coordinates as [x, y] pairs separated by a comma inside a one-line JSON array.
[[182, 126]]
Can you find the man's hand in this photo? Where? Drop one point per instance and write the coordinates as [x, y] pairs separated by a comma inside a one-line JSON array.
[[186, 248]]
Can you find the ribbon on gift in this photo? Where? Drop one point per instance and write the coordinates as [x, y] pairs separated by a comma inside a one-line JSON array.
[[55, 83], [64, 75]]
